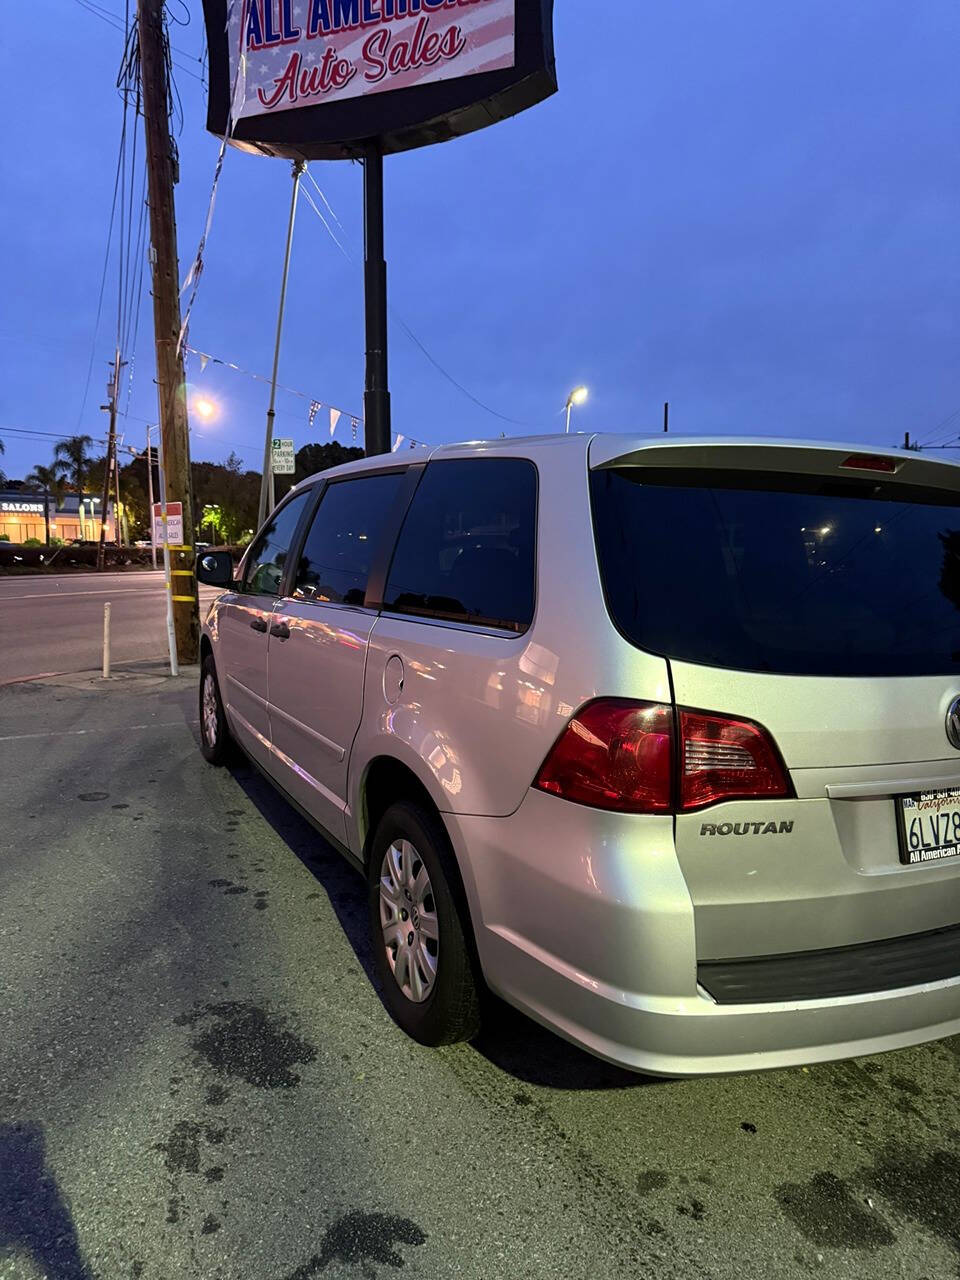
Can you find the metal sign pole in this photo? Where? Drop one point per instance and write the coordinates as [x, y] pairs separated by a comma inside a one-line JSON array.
[[376, 395], [153, 531], [167, 575], [266, 482]]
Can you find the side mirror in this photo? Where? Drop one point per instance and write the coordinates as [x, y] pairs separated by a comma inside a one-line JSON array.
[[215, 568]]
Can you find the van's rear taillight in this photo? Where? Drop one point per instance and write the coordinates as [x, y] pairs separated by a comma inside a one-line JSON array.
[[726, 759], [614, 754], [623, 755]]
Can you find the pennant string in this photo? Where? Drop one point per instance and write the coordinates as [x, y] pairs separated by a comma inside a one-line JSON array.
[[315, 405]]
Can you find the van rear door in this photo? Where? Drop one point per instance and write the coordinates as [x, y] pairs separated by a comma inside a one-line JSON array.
[[816, 592]]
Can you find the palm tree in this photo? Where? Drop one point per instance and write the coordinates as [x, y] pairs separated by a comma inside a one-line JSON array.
[[49, 482], [3, 478], [72, 461]]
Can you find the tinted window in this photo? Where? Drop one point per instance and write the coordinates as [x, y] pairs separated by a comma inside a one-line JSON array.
[[466, 550], [264, 568], [784, 574], [340, 545]]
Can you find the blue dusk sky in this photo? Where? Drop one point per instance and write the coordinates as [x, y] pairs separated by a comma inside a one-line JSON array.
[[750, 209]]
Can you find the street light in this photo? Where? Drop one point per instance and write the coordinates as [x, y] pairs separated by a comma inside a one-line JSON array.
[[577, 396], [204, 408]]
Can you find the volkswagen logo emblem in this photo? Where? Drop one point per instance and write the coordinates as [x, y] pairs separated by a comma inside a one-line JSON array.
[[953, 723]]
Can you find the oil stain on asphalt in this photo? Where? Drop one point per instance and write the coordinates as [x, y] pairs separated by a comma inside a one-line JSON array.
[[923, 1186], [181, 1150], [920, 1186], [827, 1213], [362, 1239], [245, 1042], [241, 1041]]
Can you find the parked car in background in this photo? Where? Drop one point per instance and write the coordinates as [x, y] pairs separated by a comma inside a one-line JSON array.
[[657, 738]]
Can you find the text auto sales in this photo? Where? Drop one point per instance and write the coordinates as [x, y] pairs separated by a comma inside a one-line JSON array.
[[270, 23]]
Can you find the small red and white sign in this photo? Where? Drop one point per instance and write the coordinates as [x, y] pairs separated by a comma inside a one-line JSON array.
[[174, 524]]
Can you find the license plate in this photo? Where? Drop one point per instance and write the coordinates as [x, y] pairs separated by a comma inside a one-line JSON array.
[[929, 826]]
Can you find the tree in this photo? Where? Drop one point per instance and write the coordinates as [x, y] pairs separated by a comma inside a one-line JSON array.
[[3, 478], [72, 461], [133, 495], [212, 518], [47, 481], [313, 458], [231, 489], [134, 490]]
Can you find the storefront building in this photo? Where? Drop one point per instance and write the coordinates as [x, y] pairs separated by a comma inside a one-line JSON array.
[[22, 517]]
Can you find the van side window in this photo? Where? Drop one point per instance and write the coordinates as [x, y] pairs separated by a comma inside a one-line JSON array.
[[263, 572], [342, 540], [466, 552]]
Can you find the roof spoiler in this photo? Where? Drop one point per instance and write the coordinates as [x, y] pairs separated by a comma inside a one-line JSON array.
[[801, 457]]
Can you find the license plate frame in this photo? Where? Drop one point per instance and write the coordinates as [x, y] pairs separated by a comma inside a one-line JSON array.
[[943, 805]]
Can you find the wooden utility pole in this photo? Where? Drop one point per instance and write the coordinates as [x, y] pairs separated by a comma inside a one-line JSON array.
[[171, 386], [110, 461]]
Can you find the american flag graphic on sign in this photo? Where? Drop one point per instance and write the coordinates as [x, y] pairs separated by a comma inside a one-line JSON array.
[[302, 53]]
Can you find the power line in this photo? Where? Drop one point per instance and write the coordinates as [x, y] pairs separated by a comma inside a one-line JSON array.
[[103, 282], [116, 21], [937, 432], [517, 422]]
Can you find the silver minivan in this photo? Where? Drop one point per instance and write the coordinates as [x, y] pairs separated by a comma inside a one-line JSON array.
[[657, 738]]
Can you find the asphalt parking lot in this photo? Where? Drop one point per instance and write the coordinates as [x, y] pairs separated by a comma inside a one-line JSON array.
[[198, 1078]]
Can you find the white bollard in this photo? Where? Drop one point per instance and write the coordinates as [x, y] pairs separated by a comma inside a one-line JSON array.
[[106, 641]]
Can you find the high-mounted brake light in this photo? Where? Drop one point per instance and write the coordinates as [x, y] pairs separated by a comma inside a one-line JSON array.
[[621, 755], [870, 462]]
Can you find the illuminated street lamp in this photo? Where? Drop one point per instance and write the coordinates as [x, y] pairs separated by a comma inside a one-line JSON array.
[[577, 396], [204, 408]]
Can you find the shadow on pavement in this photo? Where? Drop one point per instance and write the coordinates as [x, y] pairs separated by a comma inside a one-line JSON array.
[[34, 1218], [509, 1039]]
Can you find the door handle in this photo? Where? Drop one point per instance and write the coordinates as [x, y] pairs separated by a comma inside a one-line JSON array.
[[259, 624], [280, 630]]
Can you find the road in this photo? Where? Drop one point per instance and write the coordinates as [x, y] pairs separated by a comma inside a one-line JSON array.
[[198, 1079], [55, 623]]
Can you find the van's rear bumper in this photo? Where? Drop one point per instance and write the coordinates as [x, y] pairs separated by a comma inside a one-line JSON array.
[[584, 921]]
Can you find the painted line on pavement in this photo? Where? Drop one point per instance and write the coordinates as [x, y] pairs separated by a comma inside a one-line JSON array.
[[77, 733], [65, 595]]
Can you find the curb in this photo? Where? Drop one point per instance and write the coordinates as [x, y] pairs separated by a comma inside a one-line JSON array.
[[118, 670]]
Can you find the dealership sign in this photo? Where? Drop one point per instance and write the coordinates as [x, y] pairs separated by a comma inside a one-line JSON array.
[[316, 79], [174, 536]]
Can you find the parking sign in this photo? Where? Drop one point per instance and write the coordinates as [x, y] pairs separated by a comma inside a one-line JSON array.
[[284, 462]]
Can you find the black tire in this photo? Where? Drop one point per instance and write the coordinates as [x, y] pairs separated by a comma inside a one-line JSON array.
[[218, 749], [451, 1011]]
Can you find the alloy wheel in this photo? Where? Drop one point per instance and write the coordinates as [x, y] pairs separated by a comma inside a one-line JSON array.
[[210, 720], [408, 920]]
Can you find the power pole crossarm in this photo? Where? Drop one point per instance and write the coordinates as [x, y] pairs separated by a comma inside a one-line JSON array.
[[166, 316]]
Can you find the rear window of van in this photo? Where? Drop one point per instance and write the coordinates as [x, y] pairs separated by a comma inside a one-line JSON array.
[[788, 574]]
